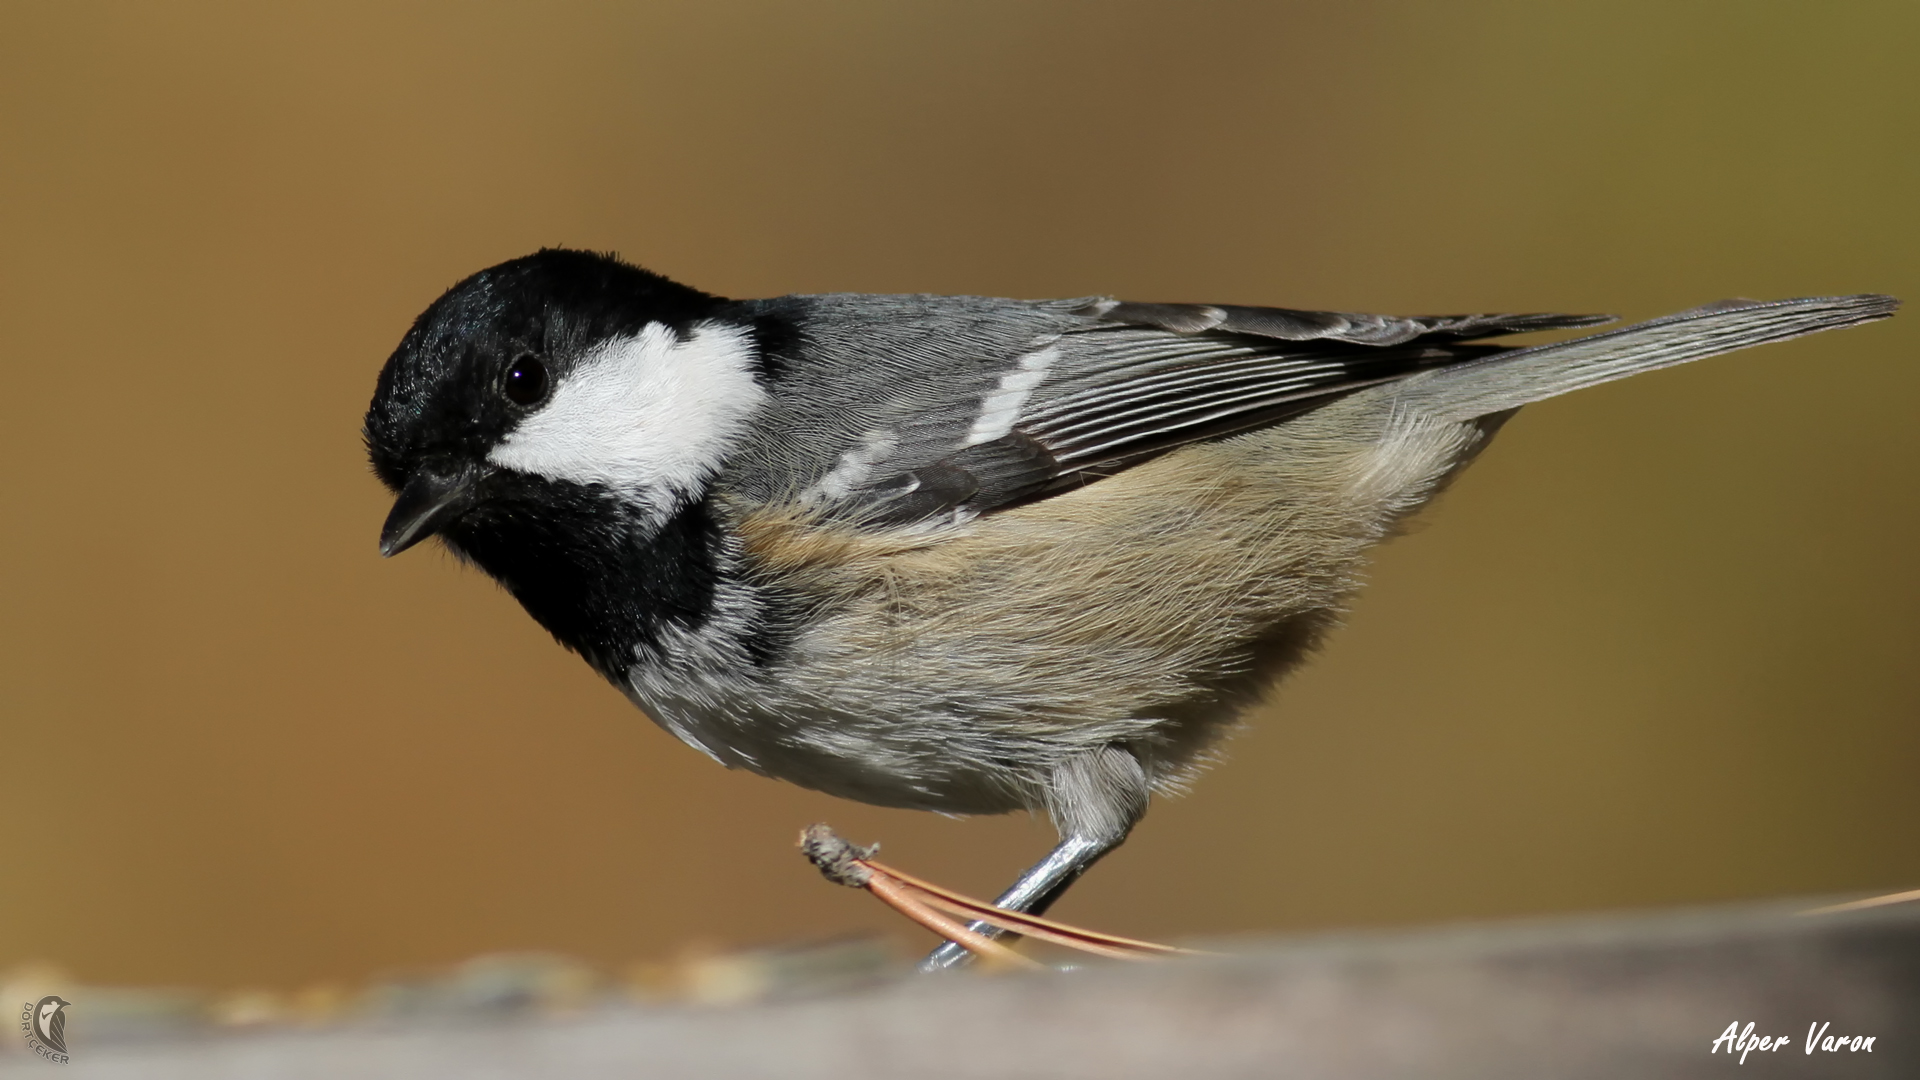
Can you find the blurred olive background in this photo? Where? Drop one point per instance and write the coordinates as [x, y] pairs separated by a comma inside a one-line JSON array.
[[1658, 647]]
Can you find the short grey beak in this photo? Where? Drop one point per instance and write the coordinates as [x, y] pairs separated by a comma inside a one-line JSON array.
[[428, 503]]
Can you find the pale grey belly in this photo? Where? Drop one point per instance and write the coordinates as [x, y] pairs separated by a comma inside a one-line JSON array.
[[905, 743]]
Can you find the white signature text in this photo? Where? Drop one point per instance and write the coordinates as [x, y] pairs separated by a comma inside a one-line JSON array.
[[1743, 1041]]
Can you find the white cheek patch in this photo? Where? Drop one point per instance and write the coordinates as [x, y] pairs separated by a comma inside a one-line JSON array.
[[651, 415]]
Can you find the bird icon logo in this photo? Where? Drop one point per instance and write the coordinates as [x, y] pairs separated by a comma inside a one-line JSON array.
[[50, 1022]]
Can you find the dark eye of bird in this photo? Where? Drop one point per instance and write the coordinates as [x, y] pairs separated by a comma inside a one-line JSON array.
[[526, 381]]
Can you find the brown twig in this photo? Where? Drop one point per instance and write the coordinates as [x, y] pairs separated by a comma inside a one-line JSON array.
[[1907, 897], [899, 899], [848, 864], [1030, 925]]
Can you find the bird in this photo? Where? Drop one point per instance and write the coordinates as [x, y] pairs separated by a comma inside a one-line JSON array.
[[963, 554], [50, 1022]]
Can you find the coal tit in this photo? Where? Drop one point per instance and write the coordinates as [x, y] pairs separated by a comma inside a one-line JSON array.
[[954, 553]]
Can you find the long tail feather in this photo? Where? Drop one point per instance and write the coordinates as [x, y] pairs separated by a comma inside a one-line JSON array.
[[1512, 379]]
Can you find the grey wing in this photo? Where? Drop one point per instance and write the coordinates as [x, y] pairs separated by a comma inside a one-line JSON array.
[[919, 410]]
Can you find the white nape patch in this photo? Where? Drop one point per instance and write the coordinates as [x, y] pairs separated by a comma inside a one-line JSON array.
[[650, 415], [1001, 408]]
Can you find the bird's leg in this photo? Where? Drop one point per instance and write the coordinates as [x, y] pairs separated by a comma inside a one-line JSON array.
[[1094, 799], [1033, 893]]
